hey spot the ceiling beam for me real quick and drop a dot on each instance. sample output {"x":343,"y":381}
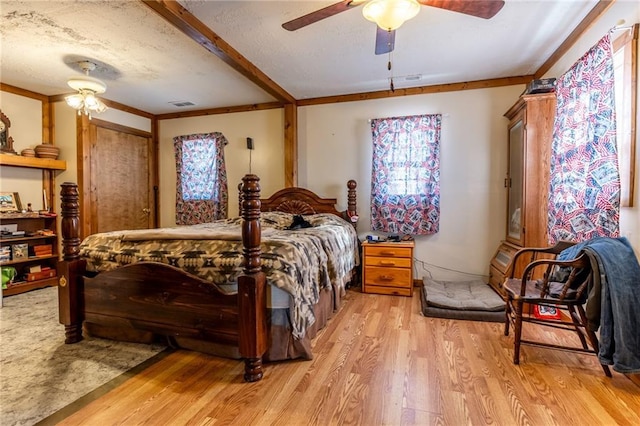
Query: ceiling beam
{"x":182,"y":19}
{"x":23,"y":92}
{"x":220,"y":110}
{"x":436,"y":88}
{"x":598,"y":10}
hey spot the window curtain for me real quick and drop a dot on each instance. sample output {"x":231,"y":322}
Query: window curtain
{"x":405,"y":175}
{"x":584,"y":197}
{"x":202,"y":194}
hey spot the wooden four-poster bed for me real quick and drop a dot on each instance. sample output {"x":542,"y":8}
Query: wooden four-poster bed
{"x":113,"y":288}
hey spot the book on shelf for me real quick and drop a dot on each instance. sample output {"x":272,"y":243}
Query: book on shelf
{"x":44,"y":273}
{"x":43,"y":250}
{"x":5,"y":253}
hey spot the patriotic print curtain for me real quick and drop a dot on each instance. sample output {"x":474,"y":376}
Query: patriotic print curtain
{"x":405,"y":175}
{"x":202,"y":193}
{"x":584,"y":198}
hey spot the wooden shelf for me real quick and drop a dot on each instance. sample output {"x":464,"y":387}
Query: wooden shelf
{"x":32,"y":162}
{"x":23,"y":286}
{"x":30,"y":238}
{"x":28,"y":259}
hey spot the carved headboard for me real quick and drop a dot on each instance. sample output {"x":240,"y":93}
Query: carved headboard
{"x":303,"y":201}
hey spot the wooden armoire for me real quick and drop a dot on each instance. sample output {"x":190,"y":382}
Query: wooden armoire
{"x":530,"y":133}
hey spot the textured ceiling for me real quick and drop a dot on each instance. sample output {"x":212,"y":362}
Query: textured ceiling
{"x":147,"y":63}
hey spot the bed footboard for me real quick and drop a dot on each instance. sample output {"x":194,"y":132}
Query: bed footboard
{"x":163,"y":300}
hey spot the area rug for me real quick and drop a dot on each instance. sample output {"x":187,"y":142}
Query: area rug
{"x":468,"y":300}
{"x":39,"y":373}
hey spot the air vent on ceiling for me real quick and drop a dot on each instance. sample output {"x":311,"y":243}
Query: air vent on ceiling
{"x":181,"y":104}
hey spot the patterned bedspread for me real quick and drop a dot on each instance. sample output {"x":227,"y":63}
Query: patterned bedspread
{"x":300,"y":262}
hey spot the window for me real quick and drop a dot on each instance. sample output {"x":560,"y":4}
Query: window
{"x":201,"y":187}
{"x":625,"y":68}
{"x":405,"y":181}
{"x":584,"y":197}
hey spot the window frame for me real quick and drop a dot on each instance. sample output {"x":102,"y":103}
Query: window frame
{"x":626,"y":44}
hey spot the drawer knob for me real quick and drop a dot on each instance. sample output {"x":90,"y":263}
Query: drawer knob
{"x":387,"y":263}
{"x":385,"y":278}
{"x":388,"y":253}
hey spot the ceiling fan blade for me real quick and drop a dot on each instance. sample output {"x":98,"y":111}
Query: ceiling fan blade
{"x":480,"y":8}
{"x":320,"y":14}
{"x":385,"y":40}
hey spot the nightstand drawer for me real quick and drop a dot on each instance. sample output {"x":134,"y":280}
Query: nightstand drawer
{"x":393,"y":291}
{"x":388,"y":250}
{"x":388,"y":277}
{"x":394,"y":262}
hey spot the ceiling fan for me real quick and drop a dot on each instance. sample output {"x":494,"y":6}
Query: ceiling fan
{"x":391,"y":19}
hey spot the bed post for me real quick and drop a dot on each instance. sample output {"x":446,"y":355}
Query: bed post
{"x":351,"y":196}
{"x":240,"y":199}
{"x":352,"y":209}
{"x":252,"y":296}
{"x":71,"y":267}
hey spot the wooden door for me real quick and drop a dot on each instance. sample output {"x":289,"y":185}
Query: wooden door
{"x":121,"y":187}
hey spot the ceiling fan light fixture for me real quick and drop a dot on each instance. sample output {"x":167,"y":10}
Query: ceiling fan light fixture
{"x":390,"y":14}
{"x":83,"y":82}
{"x":86,"y":101}
{"x":74,"y":101}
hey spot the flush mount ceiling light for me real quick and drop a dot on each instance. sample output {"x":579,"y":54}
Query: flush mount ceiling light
{"x":390,"y":14}
{"x":86,"y":101}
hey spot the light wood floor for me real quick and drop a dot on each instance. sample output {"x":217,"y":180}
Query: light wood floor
{"x":379,"y":362}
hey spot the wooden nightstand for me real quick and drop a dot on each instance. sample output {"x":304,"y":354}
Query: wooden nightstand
{"x":388,"y":268}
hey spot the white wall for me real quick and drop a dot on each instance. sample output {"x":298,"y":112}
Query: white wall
{"x":25,"y":115}
{"x":266,"y":128}
{"x":335,"y":146}
{"x":65,"y":138}
{"x":629,"y":11}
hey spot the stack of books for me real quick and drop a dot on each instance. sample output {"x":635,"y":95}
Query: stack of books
{"x":5,"y":253}
{"x":43,"y":250}
{"x":44,"y":272}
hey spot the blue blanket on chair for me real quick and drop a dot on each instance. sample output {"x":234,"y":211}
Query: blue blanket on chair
{"x":620,"y":300}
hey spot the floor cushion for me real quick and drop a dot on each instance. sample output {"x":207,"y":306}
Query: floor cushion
{"x":470,"y":300}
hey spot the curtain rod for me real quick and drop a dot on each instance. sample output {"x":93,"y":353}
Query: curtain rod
{"x":620,"y":26}
{"x":443,"y":116}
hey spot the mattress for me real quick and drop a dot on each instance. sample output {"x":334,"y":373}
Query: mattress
{"x":298,"y":264}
